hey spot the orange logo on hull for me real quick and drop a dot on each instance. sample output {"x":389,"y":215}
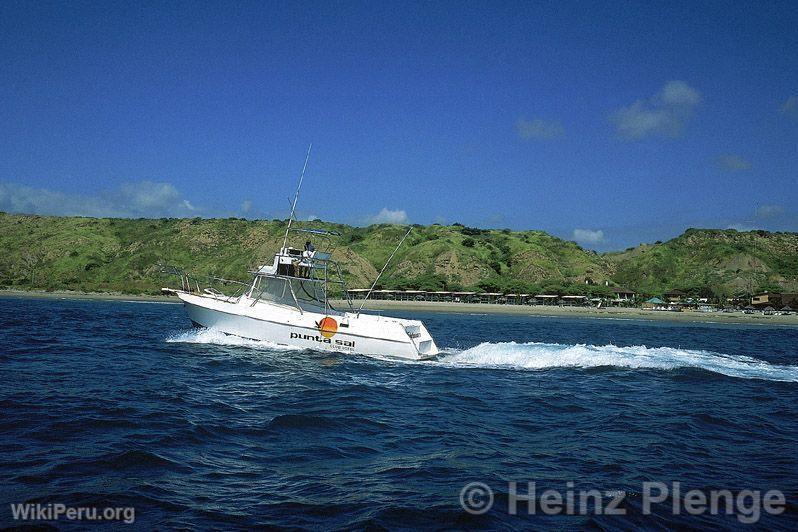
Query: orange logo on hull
{"x":328,"y":327}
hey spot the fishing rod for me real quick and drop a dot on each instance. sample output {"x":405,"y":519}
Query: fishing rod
{"x":382,"y":270}
{"x":296,"y":196}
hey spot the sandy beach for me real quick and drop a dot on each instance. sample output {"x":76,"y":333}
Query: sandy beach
{"x":472,"y":308}
{"x":583,"y":312}
{"x":66,"y":294}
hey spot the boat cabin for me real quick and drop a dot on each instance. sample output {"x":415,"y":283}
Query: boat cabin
{"x":303,"y":278}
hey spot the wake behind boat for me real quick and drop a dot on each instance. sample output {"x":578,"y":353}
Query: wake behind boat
{"x":288,"y":302}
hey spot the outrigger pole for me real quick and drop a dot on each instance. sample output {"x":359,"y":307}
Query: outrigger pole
{"x":382,"y":270}
{"x":296,"y":196}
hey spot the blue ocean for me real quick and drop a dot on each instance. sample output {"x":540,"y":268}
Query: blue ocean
{"x":122,"y":404}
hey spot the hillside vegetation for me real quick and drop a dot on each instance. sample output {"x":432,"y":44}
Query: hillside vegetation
{"x":712,"y":262}
{"x":123,"y":255}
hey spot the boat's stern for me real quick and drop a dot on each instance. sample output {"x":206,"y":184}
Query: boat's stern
{"x":421,"y":338}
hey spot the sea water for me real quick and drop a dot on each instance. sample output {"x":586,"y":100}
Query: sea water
{"x":122,"y":404}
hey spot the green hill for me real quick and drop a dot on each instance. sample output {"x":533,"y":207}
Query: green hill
{"x":123,"y":255}
{"x":711,"y":262}
{"x":100,"y":254}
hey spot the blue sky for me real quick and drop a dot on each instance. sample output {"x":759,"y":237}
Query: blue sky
{"x":610,"y":124}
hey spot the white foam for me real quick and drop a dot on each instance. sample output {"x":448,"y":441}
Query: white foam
{"x":542,"y":356}
{"x":217,"y":337}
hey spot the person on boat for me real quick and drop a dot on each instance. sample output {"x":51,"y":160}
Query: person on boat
{"x":304,"y":266}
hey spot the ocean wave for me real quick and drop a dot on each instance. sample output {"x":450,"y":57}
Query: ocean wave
{"x":535,"y":355}
{"x":132,"y":459}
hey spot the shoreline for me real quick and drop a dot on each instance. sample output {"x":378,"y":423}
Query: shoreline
{"x":617,"y":313}
{"x":100,"y":296}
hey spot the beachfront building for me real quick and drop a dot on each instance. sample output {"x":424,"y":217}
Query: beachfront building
{"x":519,"y":299}
{"x":546,"y":299}
{"x":357,"y":293}
{"x":764,"y":299}
{"x":513,"y":299}
{"x":463,"y":297}
{"x":490,"y":297}
{"x":386,"y":295}
{"x":411,"y":295}
{"x":774,"y":300}
{"x":655,"y":303}
{"x":675,"y":296}
{"x":623,"y":294}
{"x":622,"y":297}
{"x":573,"y":301}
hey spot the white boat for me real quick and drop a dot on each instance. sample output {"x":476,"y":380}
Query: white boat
{"x":288,"y":303}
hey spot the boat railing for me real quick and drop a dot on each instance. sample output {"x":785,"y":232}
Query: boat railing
{"x":209,"y":285}
{"x":315,"y":267}
{"x":315,"y":274}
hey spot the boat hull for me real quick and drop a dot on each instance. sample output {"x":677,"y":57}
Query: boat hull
{"x":364,"y":334}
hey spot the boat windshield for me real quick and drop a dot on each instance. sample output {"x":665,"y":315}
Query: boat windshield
{"x":306,"y":294}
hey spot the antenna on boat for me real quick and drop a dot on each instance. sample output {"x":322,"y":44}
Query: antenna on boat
{"x":382,"y":270}
{"x":296,"y":196}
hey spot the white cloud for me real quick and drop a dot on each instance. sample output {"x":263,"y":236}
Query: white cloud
{"x":588,"y":236}
{"x":148,"y":198}
{"x":790,"y":107}
{"x":144,"y":199}
{"x":312,"y":217}
{"x":539,"y":129}
{"x":387,"y":216}
{"x":679,"y":93}
{"x":768,"y":211}
{"x":665,"y":114}
{"x":246,"y":206}
{"x":771,"y":217}
{"x":742,"y":227}
{"x":732,"y":163}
